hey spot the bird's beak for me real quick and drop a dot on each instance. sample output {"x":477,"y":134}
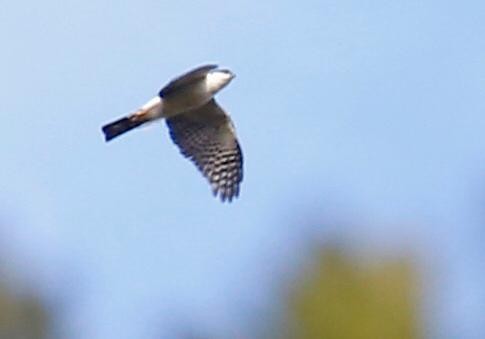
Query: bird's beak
{"x":229,"y":73}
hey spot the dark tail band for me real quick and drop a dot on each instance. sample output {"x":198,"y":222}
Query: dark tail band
{"x":118,"y":127}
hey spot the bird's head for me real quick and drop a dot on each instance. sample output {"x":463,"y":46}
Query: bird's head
{"x":219,"y":79}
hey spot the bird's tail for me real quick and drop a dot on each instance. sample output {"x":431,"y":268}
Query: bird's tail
{"x":121,"y":126}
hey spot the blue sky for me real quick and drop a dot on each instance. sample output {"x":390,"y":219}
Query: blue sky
{"x":368,"y":111}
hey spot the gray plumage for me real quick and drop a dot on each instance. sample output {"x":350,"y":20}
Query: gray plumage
{"x":206,"y":136}
{"x":201,"y":129}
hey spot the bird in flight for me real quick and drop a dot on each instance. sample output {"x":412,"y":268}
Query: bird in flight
{"x":201,"y":129}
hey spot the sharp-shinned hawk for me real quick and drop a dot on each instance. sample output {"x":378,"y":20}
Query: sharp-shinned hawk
{"x":198,"y":125}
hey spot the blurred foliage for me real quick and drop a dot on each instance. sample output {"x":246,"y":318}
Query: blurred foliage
{"x":21,"y":317}
{"x":346,"y":297}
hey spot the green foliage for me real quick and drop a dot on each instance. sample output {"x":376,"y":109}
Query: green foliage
{"x":348,"y":298}
{"x":21,"y":317}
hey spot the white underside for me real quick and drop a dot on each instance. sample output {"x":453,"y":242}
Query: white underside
{"x":152,"y":109}
{"x":184,"y":99}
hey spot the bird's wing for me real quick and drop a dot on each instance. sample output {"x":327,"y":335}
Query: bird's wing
{"x":187,"y":78}
{"x":206,"y":136}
